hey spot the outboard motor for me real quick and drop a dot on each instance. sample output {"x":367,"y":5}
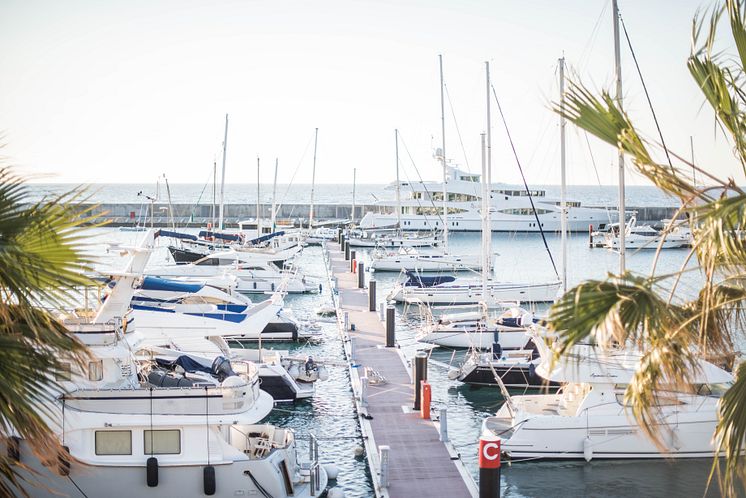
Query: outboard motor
{"x":221,"y":368}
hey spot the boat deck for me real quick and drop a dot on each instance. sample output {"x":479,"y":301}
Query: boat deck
{"x":420,"y":464}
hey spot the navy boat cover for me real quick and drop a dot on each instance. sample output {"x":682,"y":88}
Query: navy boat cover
{"x":416,"y":280}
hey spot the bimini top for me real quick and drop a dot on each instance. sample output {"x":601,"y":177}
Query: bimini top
{"x":416,"y":280}
{"x":593,"y":365}
{"x":163,"y":284}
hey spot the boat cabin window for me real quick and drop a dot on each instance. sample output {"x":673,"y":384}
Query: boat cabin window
{"x":162,"y":442}
{"x":64,"y":372}
{"x":95,"y":370}
{"x":207,"y":262}
{"x":113,"y":442}
{"x":661,"y":399}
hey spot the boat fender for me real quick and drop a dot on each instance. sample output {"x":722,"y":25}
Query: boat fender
{"x":208,"y":480}
{"x":587,"y":449}
{"x":497,"y":350}
{"x":454,"y":373}
{"x":675,"y":440}
{"x":151,"y":472}
{"x":532,"y":371}
{"x":320,"y":288}
{"x":64,"y":462}
{"x":294,"y":371}
{"x":323,"y":373}
{"x":335,"y":493}
{"x":14,"y":449}
{"x":332,"y":471}
{"x":273,"y":286}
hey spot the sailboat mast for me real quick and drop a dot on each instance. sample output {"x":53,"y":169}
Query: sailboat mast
{"x":398,"y":185}
{"x":313,"y":178}
{"x":222,"y":178}
{"x":258,"y":205}
{"x":443,"y":155}
{"x":486,"y":232}
{"x":563,"y":187}
{"x":214,"y":190}
{"x":354,"y":185}
{"x":618,"y":98}
{"x":487,"y":186}
{"x":274,"y":197}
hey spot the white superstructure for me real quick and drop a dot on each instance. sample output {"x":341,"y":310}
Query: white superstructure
{"x":422,"y":208}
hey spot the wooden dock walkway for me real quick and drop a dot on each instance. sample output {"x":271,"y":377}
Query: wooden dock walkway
{"x":420,"y":465}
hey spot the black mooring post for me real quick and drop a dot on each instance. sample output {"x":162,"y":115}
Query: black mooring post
{"x":489,"y":468}
{"x":390,"y":326}
{"x":372,"y":295}
{"x":420,"y":374}
{"x":361,"y":275}
{"x":347,"y":250}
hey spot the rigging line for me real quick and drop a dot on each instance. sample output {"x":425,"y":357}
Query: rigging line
{"x":523,"y":177}
{"x":647,"y":95}
{"x":595,"y":170}
{"x":458,"y":130}
{"x":592,"y":39}
{"x":194,"y":206}
{"x":292,"y":178}
{"x":422,"y":182}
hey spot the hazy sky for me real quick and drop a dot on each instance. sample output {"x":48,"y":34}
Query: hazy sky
{"x":115,"y":91}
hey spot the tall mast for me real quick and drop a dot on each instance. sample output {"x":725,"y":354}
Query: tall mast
{"x":313,"y":178}
{"x":486,"y":232}
{"x":214,"y":190}
{"x":443,"y":154}
{"x":222,"y":179}
{"x":258,"y":205}
{"x":274,"y":197}
{"x":398,"y":186}
{"x":618,"y":98}
{"x":487,"y":186}
{"x":354,"y":184}
{"x":563,"y":188}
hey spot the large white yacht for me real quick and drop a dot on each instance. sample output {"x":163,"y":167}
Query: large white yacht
{"x":588,"y":418}
{"x":422,"y":208}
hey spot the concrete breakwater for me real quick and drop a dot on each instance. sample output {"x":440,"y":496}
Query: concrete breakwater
{"x":200,"y":215}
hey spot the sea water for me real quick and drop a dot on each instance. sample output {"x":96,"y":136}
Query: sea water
{"x":331,"y":417}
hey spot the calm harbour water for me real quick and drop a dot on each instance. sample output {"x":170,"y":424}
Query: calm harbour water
{"x":330,"y":414}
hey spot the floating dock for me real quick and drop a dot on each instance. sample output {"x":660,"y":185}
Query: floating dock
{"x":415,"y":461}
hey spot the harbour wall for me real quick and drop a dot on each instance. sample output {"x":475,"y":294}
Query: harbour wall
{"x":190,"y":215}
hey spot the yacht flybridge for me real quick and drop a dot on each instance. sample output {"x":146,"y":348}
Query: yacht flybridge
{"x":588,"y":418}
{"x":511,"y":207}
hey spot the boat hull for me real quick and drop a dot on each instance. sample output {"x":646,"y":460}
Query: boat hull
{"x":472,"y":294}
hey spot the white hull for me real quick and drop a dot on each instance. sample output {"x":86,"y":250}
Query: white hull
{"x":426,"y":263}
{"x":455,"y":338}
{"x":396,"y":242}
{"x":611,"y":437}
{"x":642,"y":242}
{"x":454,"y":293}
{"x":470,"y":221}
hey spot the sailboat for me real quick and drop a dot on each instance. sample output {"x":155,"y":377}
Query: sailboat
{"x":409,"y":258}
{"x":451,"y":290}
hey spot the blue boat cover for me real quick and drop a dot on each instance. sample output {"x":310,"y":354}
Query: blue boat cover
{"x":175,"y":235}
{"x":416,"y":280}
{"x":164,"y":284}
{"x":216,"y":235}
{"x":265,"y":238}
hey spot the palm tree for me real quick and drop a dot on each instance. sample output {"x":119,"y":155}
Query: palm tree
{"x":41,"y":260}
{"x":647,"y":310}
